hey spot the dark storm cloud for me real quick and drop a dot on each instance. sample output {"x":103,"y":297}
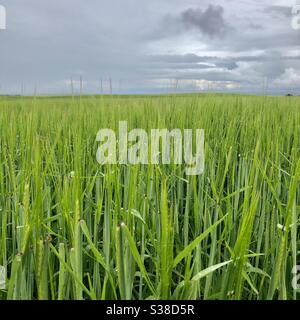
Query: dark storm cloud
{"x":210,"y":21}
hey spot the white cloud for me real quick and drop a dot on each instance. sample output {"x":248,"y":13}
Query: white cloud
{"x":289,"y":79}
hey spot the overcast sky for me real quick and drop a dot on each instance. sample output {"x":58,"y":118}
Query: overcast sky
{"x":149,"y":46}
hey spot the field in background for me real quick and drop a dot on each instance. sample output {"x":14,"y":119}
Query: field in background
{"x":71,"y":229}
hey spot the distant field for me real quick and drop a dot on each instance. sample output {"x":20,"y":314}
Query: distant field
{"x":72,"y":229}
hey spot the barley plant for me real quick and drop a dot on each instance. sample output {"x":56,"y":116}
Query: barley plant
{"x":73,"y":229}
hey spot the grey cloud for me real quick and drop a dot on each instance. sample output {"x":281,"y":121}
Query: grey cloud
{"x":270,"y":65}
{"x":279,"y":11}
{"x":176,"y":58}
{"x":255,"y":26}
{"x":265,"y":41}
{"x":229,"y":62}
{"x":193,"y":61}
{"x":210,"y":21}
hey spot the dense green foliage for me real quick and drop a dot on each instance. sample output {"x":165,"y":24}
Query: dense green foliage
{"x":72,"y":229}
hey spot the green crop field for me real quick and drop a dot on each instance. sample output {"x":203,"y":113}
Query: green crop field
{"x":74,"y":229}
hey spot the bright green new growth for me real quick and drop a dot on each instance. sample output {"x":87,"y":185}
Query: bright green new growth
{"x":72,"y":229}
